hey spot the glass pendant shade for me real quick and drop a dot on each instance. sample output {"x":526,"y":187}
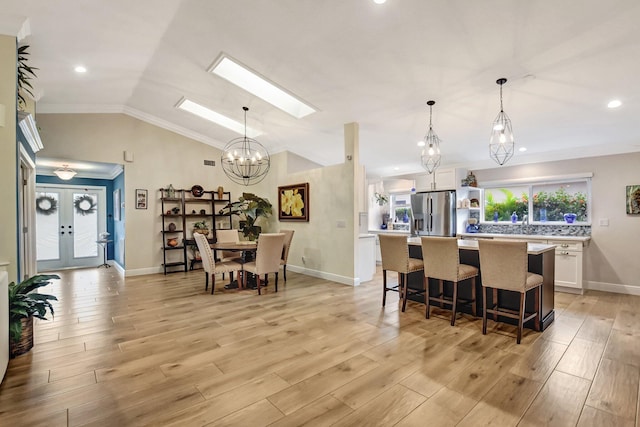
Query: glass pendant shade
{"x":65,"y":173}
{"x":502,"y":143}
{"x":430,"y":157}
{"x":244,"y":160}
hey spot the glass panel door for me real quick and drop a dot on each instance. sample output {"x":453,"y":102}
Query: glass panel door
{"x":69,"y":220}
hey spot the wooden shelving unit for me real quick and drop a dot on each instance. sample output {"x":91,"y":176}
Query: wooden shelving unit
{"x":184,"y":210}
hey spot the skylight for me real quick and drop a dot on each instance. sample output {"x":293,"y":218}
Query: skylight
{"x":257,"y":85}
{"x":217,"y":118}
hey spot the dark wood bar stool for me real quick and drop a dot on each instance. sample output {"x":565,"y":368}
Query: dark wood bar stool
{"x":505,"y":265}
{"x":442,"y":262}
{"x":395,"y":257}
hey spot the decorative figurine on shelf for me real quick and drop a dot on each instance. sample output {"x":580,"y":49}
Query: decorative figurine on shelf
{"x":514,"y":217}
{"x":175,"y":210}
{"x":203,"y":212}
{"x":172,"y":227}
{"x":220,"y":192}
{"x":471,"y":179}
{"x":171,"y":192}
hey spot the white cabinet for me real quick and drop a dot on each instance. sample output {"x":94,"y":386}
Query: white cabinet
{"x":366,"y":257}
{"x":569,"y":265}
{"x":445,"y":179}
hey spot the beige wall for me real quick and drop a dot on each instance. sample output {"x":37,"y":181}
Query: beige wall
{"x":611,"y":256}
{"x":8,"y":157}
{"x":162,"y":157}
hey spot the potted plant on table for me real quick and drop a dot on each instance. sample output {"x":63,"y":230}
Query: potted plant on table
{"x":201,"y":227}
{"x":249,"y":208}
{"x":24,"y":305}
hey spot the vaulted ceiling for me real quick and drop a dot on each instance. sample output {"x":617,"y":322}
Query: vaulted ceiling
{"x":355,"y":61}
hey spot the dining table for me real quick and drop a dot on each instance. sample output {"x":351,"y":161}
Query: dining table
{"x":247,"y":251}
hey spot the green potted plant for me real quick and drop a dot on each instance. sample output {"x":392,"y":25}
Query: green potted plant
{"x":249,"y":208}
{"x":24,"y":305}
{"x":25,"y":73}
{"x":201,"y":227}
{"x":381,"y":199}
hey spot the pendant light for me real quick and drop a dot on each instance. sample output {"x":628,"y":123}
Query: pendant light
{"x":501,"y":144}
{"x":65,"y":173}
{"x":244,"y":160}
{"x":430,"y":157}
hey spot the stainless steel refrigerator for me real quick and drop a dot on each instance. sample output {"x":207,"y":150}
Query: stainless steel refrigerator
{"x":434,"y":213}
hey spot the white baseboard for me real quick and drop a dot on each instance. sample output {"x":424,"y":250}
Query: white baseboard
{"x":351,"y":281}
{"x":613,"y":287}
{"x":143,"y":271}
{"x":117,"y":266}
{"x":568,"y":290}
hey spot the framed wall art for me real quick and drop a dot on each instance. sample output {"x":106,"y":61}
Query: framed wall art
{"x":141,"y":199}
{"x":293,"y":202}
{"x":633,"y":199}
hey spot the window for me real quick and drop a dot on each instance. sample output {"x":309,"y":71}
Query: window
{"x":551,"y":201}
{"x":400,"y":211}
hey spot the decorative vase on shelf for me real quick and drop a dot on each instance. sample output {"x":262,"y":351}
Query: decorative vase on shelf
{"x":172,"y":226}
{"x":171,"y":192}
{"x":405,"y":218}
{"x":543,"y":215}
{"x":570,"y":217}
{"x":514,"y":217}
{"x":495,"y":216}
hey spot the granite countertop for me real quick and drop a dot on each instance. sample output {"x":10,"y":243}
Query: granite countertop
{"x":532,"y":248}
{"x":526,"y":236}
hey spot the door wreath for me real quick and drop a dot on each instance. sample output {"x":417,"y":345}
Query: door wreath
{"x":46,"y":205}
{"x":85,"y":205}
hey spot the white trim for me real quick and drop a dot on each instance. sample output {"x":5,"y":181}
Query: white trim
{"x":144,"y":271}
{"x":569,"y":290}
{"x":30,"y":130}
{"x":613,"y":287}
{"x":538,"y":180}
{"x":79,"y":108}
{"x":117,"y":266}
{"x":324,"y":275}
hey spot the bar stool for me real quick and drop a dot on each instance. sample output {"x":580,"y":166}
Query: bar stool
{"x":505,"y":265}
{"x":442,"y":262}
{"x":395,"y":257}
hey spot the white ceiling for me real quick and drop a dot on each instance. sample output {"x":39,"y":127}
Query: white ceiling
{"x":355,"y":61}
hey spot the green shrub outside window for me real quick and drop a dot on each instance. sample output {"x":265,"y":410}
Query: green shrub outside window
{"x":504,"y":202}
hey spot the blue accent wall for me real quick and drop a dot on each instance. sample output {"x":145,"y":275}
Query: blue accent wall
{"x":118,"y":226}
{"x":109,"y":184}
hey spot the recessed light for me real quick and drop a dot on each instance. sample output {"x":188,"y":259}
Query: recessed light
{"x":615,"y":103}
{"x":522,"y":149}
{"x":379,"y":1}
{"x":217,"y":118}
{"x":396,"y":168}
{"x":80,"y":69}
{"x":421,"y":143}
{"x":252,"y":82}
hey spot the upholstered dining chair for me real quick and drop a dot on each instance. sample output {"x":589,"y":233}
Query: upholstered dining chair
{"x":505,"y":265}
{"x":288,"y":236}
{"x":267,"y":259}
{"x":442,"y":262}
{"x":395,"y":257}
{"x":212,"y":268}
{"x":228,"y":236}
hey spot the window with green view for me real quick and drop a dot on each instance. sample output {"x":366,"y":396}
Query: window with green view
{"x":548,"y":202}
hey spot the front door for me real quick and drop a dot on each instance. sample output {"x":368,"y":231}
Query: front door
{"x":69,"y":220}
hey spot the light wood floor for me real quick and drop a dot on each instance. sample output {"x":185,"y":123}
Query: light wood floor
{"x":160,"y":350}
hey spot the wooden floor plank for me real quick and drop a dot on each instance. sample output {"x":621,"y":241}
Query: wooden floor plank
{"x":445,"y":408}
{"x":581,"y":358}
{"x":615,"y":389}
{"x":559,"y":403}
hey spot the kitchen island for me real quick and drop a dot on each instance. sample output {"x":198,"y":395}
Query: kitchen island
{"x":541,"y":261}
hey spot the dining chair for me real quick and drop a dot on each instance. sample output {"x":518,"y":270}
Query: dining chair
{"x":267,"y":260}
{"x":504,"y":266}
{"x":395,"y":257}
{"x":442,"y":262}
{"x":212,"y":268}
{"x":288,"y":236}
{"x":228,"y":236}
